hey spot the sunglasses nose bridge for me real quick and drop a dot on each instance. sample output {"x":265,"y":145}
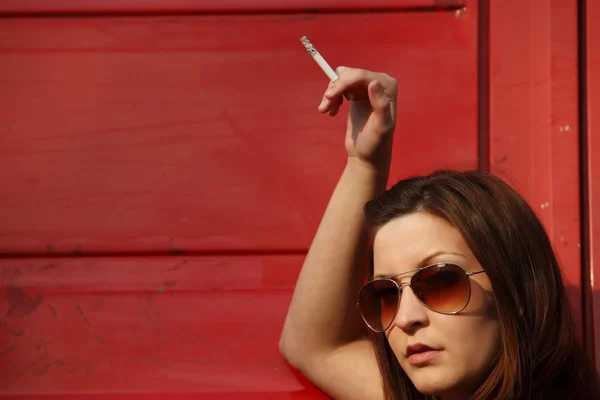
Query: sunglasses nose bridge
{"x":410,"y":310}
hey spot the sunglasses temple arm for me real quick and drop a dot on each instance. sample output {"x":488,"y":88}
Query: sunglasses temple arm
{"x":475,"y":273}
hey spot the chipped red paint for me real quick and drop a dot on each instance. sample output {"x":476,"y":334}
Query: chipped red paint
{"x":20,"y":304}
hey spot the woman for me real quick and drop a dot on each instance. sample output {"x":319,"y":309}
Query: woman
{"x":464,"y":298}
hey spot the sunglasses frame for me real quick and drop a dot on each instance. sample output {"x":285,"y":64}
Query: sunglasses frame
{"x":400,"y":286}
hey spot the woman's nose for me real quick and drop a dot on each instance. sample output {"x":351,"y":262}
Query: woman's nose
{"x":411,"y":312}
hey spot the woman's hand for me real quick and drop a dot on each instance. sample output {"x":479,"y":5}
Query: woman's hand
{"x":372,"y":117}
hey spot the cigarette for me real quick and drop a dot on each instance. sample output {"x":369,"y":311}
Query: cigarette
{"x":319,"y":59}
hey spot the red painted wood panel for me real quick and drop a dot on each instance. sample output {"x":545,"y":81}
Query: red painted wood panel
{"x":188,"y":133}
{"x":207,"y":326}
{"x":593,"y":170}
{"x":534,"y":129}
{"x":162,"y":6}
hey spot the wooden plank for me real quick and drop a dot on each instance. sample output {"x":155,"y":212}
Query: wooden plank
{"x":593,"y":175}
{"x":203,"y":6}
{"x":182,"y":325}
{"x":187,"y":133}
{"x":534,"y":127}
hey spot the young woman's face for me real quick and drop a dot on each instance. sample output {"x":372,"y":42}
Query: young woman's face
{"x":464,"y":344}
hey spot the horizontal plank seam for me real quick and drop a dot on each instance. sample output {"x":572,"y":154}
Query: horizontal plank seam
{"x":177,"y":253}
{"x":148,"y":13}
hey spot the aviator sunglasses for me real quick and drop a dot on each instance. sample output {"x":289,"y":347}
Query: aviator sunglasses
{"x":444,"y":288}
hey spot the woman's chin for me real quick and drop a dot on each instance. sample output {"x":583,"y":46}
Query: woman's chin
{"x":431,"y":381}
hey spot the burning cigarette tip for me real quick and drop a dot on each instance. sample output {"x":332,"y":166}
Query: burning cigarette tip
{"x":319,"y":59}
{"x":308,"y":45}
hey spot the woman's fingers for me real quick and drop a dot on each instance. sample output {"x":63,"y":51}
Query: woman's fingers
{"x":350,"y":80}
{"x":326,"y":103}
{"x":381,"y":104}
{"x":355,"y":83}
{"x":335,"y":105}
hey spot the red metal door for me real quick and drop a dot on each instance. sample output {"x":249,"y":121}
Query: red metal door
{"x":162,"y":171}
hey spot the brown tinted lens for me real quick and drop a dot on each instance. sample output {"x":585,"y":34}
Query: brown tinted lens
{"x":378,"y":301}
{"x":443,"y":287}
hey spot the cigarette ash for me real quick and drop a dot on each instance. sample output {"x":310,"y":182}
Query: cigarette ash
{"x":309,"y":46}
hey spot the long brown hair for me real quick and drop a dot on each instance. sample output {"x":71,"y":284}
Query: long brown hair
{"x":540,"y":357}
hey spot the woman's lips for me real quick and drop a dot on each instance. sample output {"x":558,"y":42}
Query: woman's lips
{"x":423,"y":357}
{"x":418,"y":353}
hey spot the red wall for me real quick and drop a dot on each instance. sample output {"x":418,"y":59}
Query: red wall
{"x":534,"y":119}
{"x":162,"y":175}
{"x":163,"y":169}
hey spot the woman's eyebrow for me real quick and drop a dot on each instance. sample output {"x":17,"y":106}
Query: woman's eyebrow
{"x":430,"y":257}
{"x":425,"y":262}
